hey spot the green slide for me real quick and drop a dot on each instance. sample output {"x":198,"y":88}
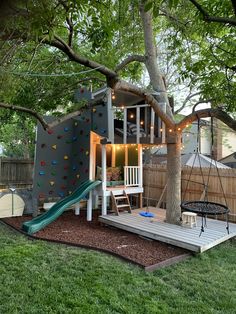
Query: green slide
{"x":56,"y":210}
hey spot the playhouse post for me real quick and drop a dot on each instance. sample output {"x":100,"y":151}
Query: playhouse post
{"x":77,"y":209}
{"x":104,"y":179}
{"x":89,"y":207}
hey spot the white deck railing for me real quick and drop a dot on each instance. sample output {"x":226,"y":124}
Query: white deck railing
{"x":132,"y":176}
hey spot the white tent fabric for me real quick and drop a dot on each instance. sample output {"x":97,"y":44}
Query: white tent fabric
{"x":204,"y":161}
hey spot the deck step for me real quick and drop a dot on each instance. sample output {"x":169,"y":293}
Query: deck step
{"x":120,"y":197}
{"x":117,"y":206}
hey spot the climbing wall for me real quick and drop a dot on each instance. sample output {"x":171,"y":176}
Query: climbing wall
{"x":63,"y":154}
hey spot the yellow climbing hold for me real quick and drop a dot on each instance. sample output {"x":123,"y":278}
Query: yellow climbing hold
{"x":66,"y":157}
{"x":87,"y":153}
{"x":54,"y":146}
{"x":94,"y":109}
{"x":52,"y":183}
{"x":78,"y":176}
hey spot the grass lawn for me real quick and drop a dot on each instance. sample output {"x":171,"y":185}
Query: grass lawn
{"x":38,"y":277}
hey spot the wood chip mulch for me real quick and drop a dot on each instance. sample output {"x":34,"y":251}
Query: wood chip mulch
{"x":75,"y":230}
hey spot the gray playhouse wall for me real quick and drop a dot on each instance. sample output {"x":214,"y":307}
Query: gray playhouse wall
{"x":62,"y":154}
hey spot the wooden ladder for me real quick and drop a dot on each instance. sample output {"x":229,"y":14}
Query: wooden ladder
{"x":120,"y":202}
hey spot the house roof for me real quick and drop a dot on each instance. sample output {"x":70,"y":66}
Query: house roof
{"x":229,"y":158}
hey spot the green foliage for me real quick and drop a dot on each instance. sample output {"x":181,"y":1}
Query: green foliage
{"x":17,"y":136}
{"x":38,"y":277}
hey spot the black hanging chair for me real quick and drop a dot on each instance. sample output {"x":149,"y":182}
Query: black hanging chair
{"x":205,"y":208}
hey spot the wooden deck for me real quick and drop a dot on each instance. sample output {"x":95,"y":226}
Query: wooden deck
{"x":156,"y":229}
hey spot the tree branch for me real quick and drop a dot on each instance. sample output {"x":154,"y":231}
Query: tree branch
{"x":26,"y":110}
{"x":59,"y":43}
{"x":217,"y":19}
{"x":205,"y":113}
{"x":129,"y":59}
{"x":185,"y":101}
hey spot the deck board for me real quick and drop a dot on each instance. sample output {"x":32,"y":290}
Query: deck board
{"x":214,"y":234}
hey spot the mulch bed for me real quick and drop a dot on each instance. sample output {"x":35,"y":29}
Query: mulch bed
{"x":75,"y":230}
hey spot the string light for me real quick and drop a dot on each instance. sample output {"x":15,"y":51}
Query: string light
{"x":170,"y":130}
{"x":161,"y":129}
{"x":179,"y":129}
{"x":141,"y":122}
{"x":131,"y":116}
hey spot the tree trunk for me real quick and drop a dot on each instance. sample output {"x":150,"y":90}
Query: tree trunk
{"x":151,"y":63}
{"x":173,"y":210}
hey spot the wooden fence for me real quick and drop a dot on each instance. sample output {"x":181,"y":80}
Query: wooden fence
{"x":154,"y":179}
{"x":16,"y":172}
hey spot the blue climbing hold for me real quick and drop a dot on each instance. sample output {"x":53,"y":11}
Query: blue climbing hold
{"x":66,"y":129}
{"x":146,"y":214}
{"x":41,"y":173}
{"x":61,"y":194}
{"x":54,"y":162}
{"x":103,"y":131}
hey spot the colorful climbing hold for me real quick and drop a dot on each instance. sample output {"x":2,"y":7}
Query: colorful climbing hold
{"x":76,"y":123}
{"x":59,"y":137}
{"x":61,"y":194}
{"x":66,"y":157}
{"x":69,"y":192}
{"x":54,"y":146}
{"x":74,"y":138}
{"x":50,"y":192}
{"x":66,"y":167}
{"x":52,"y":183}
{"x":41,"y":195}
{"x":38,"y":184}
{"x":77,"y":176}
{"x":87,"y":153}
{"x":54,"y":162}
{"x":66,"y":129}
{"x":103,"y":131}
{"x":94,"y":109}
{"x":41,"y":173}
{"x":53,"y":173}
{"x":68,"y":141}
{"x":74,"y":167}
{"x":50,"y":132}
{"x":42,"y":163}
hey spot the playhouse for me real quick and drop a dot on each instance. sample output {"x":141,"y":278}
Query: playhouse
{"x":104,"y":142}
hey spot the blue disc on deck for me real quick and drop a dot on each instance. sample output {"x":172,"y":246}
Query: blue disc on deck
{"x":146,"y":214}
